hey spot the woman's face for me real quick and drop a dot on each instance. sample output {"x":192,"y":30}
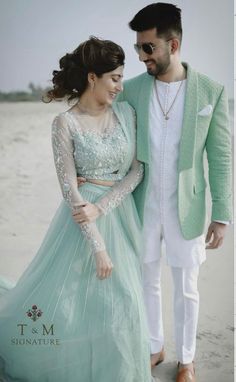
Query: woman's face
{"x":108,"y":86}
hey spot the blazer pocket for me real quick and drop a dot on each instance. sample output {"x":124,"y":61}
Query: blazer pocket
{"x":203,"y":121}
{"x":206,"y":111}
{"x":199,"y":185}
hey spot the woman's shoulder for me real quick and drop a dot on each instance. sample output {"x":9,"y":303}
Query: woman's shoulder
{"x":61,"y":123}
{"x":124,"y":107}
{"x":63,"y":118}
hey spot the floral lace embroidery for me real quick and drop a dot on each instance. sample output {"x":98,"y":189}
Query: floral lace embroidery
{"x":121,"y":189}
{"x":66,"y":172}
{"x":112,"y":152}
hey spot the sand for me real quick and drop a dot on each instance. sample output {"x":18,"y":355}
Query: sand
{"x":29,"y":197}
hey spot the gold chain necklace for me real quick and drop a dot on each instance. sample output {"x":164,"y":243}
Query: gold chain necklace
{"x":158,"y":99}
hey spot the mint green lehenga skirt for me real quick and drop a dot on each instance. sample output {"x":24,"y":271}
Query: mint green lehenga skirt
{"x":61,"y":323}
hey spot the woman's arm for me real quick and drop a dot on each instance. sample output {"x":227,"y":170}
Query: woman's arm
{"x":122,"y":188}
{"x":127,"y":185}
{"x":62,"y":145}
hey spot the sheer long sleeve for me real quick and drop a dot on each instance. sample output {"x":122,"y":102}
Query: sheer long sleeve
{"x":63,"y":149}
{"x":125,"y":186}
{"x":122,"y":188}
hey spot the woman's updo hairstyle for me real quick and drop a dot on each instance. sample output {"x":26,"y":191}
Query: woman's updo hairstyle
{"x":94,"y":55}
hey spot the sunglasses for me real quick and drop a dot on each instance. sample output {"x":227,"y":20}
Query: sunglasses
{"x":147,"y":47}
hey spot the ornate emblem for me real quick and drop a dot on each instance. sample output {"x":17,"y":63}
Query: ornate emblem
{"x":34,"y":313}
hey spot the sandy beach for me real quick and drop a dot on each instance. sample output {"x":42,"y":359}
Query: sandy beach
{"x":29,"y":197}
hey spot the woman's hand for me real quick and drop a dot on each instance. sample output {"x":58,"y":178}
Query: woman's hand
{"x":80,"y":180}
{"x":104,"y":265}
{"x":86,"y":213}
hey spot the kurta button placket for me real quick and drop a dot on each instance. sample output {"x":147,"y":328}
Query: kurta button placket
{"x":161,"y":207}
{"x":162,"y":158}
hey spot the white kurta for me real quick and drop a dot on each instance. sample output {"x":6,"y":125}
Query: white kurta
{"x":161,"y":222}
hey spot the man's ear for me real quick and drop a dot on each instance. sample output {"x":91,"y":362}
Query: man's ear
{"x":174,"y":45}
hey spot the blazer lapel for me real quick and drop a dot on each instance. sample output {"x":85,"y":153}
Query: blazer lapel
{"x":142,"y":109}
{"x":189,"y":121}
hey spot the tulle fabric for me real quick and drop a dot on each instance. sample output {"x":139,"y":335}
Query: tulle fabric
{"x":88,"y":330}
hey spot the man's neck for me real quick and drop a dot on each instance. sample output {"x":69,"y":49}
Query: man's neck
{"x":176,"y":72}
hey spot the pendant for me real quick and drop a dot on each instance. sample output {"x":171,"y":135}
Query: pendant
{"x":166,"y":117}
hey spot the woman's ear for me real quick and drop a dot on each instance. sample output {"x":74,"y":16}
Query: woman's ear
{"x":91,"y":80}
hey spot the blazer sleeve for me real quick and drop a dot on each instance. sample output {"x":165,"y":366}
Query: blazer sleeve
{"x":219,"y":155}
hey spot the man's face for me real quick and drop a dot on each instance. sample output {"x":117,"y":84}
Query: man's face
{"x":158,"y":61}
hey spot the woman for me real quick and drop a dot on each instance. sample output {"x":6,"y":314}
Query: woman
{"x":77,"y":313}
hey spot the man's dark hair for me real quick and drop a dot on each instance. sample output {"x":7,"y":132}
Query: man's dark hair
{"x":166,"y":18}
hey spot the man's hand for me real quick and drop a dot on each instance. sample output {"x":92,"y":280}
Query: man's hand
{"x":80,"y":181}
{"x":86,"y":213}
{"x":215,"y":235}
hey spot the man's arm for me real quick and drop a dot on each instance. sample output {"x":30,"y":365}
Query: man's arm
{"x":218,"y":147}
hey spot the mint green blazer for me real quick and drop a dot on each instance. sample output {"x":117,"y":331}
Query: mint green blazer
{"x":200,"y":133}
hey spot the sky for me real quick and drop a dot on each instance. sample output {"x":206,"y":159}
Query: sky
{"x":35,"y":34}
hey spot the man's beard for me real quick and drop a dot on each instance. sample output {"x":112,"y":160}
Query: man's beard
{"x":160,"y":67}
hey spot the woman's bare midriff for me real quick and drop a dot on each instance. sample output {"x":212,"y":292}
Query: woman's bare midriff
{"x":101,"y":182}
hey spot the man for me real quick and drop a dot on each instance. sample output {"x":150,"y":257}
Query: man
{"x":180,"y":114}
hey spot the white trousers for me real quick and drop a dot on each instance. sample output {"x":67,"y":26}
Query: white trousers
{"x":186,"y":307}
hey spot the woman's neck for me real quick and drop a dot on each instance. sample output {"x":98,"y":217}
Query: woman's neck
{"x":89,"y":105}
